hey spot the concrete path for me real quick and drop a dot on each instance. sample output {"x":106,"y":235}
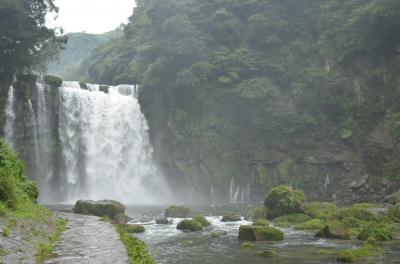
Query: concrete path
{"x":87,"y":240}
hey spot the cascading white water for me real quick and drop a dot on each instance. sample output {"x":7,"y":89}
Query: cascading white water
{"x":105,"y":146}
{"x":10,"y":117}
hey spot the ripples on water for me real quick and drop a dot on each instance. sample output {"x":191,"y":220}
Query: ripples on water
{"x":171,"y":246}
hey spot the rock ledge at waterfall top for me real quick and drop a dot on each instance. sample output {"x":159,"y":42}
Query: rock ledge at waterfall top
{"x":108,"y":208}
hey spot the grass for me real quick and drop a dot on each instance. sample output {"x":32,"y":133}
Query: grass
{"x":137,"y":250}
{"x":45,"y":250}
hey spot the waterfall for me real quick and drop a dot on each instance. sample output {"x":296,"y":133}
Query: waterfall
{"x":10,"y":117}
{"x":105,"y":145}
{"x":327,"y":181}
{"x":231,"y":195}
{"x":236,"y":195}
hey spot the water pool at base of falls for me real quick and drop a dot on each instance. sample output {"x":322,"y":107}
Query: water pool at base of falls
{"x":171,"y":246}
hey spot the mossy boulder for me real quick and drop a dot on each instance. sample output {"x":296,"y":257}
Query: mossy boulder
{"x":313,"y":224}
{"x":320,"y":210}
{"x":177,"y":211}
{"x":231,"y":218}
{"x":134,"y":228}
{"x":202,"y":220}
{"x":99,"y":208}
{"x":283,"y":200}
{"x":53,"y":81}
{"x":359,"y":213}
{"x":83,"y":85}
{"x":378,"y":232}
{"x":189,"y":225}
{"x":293,"y":218}
{"x":268,"y":253}
{"x":260,"y":233}
{"x":247,"y":245}
{"x":258,"y":213}
{"x":334,"y":231}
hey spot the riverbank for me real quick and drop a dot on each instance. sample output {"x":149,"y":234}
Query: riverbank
{"x":28,"y":233}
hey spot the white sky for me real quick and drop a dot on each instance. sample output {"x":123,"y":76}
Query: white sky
{"x":92,"y":16}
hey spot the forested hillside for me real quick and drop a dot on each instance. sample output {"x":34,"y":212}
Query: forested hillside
{"x":244,"y":95}
{"x":79,"y":46}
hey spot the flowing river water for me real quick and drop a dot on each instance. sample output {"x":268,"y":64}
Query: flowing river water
{"x":171,"y":246}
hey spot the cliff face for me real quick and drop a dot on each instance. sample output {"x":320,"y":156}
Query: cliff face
{"x":221,"y":155}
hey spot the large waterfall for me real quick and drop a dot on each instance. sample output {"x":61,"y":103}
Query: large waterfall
{"x":93,"y":145}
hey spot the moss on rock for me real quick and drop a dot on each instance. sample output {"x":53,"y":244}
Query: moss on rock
{"x":268,"y":253}
{"x":293,"y":218}
{"x":189,"y":225}
{"x":261,"y":222}
{"x":202,"y":220}
{"x":53,"y":81}
{"x":313,"y":224}
{"x":258,"y":213}
{"x":177,"y":211}
{"x":283,"y":200}
{"x":334,"y":231}
{"x":320,"y":210}
{"x":260,"y":233}
{"x":134,"y":228}
{"x":352,"y":255}
{"x":218,"y":234}
{"x":231,"y":218}
{"x":100,"y":208}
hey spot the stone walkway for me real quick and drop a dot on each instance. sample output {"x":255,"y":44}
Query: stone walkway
{"x":87,"y":240}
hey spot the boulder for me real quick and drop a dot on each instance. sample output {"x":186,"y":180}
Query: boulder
{"x":177,"y":211}
{"x":339,"y":231}
{"x":163,"y":221}
{"x":104,"y":88}
{"x":99,"y":208}
{"x":259,"y":233}
{"x":121,"y":219}
{"x":283,"y":200}
{"x":202,"y":220}
{"x":189,"y":225}
{"x":134,"y":228}
{"x":268,"y":253}
{"x":231,"y":218}
{"x":53,"y":81}
{"x":393,"y":198}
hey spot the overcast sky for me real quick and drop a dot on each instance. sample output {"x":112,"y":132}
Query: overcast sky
{"x":92,"y":16}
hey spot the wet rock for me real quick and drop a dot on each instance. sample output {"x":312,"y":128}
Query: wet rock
{"x":189,"y":225}
{"x":99,"y":208}
{"x":218,"y":234}
{"x":337,"y":232}
{"x":283,"y":200}
{"x":231,"y":218}
{"x":202,"y":220}
{"x":104,"y":88}
{"x":392,"y":198}
{"x":359,"y":183}
{"x":247,"y":245}
{"x":53,"y":81}
{"x":134,"y":228}
{"x":163,"y":221}
{"x":259,"y":233}
{"x":177,"y":211}
{"x":268,"y":253}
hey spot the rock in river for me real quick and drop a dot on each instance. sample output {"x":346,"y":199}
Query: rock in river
{"x":99,"y":208}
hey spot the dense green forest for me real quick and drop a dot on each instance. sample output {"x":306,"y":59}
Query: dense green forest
{"x":302,"y":92}
{"x":80,"y":45}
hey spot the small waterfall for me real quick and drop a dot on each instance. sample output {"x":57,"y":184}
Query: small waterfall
{"x":10,"y":117}
{"x":327,"y":181}
{"x":243,"y":196}
{"x":236,"y":195}
{"x":105,"y":145}
{"x":231,"y":195}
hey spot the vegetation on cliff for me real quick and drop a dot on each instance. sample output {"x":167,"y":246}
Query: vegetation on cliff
{"x":265,"y":92}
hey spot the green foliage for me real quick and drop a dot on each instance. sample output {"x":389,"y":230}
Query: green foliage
{"x":378,"y":232}
{"x":293,"y":218}
{"x":352,"y":255}
{"x":26,"y":41}
{"x":137,"y":250}
{"x":319,"y":210}
{"x":283,"y":200}
{"x":6,"y":231}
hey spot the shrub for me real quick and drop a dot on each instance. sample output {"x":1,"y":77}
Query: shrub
{"x":379,"y":232}
{"x":231,"y":218}
{"x":282,"y":200}
{"x":261,"y":222}
{"x":352,"y":255}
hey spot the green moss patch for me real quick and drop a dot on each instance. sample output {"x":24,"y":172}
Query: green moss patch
{"x":313,"y":224}
{"x":189,"y":225}
{"x":202,"y":220}
{"x":260,"y":233}
{"x":283,"y":200}
{"x":352,"y":255}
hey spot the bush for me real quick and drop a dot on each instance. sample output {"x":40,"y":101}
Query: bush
{"x":31,"y":189}
{"x":177,"y":211}
{"x":379,"y":232}
{"x":282,"y":200}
